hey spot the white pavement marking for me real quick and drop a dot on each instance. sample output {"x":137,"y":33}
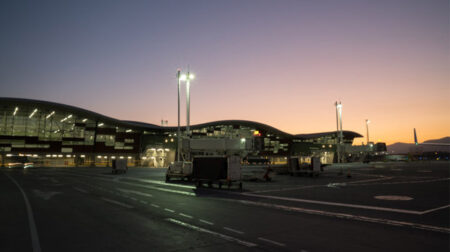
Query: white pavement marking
{"x":336,"y":185}
{"x":349,"y":216}
{"x":132,"y":198}
{"x":393,"y":197}
{"x":335,"y":204}
{"x":143,"y":202}
{"x":435,"y":209}
{"x":137,"y":185}
{"x":412,"y":182}
{"x":273,"y":242}
{"x":185,"y":215}
{"x":154,"y":205}
{"x":225,"y":237}
{"x":325,"y":185}
{"x":169,"y":210}
{"x":206,"y":222}
{"x":135,"y":192}
{"x":117,"y":203}
{"x":45,"y":195}
{"x":289,"y":189}
{"x":34,"y":235}
{"x":80,"y":190}
{"x":135,"y":179}
{"x":161,"y":183}
{"x":371,"y":180}
{"x":233,"y":230}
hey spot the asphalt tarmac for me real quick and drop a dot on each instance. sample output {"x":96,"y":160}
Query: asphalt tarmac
{"x":383,"y":207}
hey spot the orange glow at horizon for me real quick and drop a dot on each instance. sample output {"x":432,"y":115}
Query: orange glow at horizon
{"x":281,"y":64}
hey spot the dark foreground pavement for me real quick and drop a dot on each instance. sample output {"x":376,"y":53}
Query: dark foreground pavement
{"x":88,"y":209}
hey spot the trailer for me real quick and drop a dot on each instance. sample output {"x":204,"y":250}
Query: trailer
{"x":220,"y":170}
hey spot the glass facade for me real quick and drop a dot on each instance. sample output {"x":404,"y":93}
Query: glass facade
{"x":54,"y":134}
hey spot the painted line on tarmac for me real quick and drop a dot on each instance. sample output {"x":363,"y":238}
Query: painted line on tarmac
{"x":273,"y":242}
{"x":233,"y":230}
{"x":335,"y":204}
{"x":161,"y":183}
{"x":154,"y":205}
{"x":370,"y":180}
{"x":349,"y":216}
{"x":143,"y":202}
{"x":142,"y":186}
{"x":435,"y":209}
{"x":199,"y":229}
{"x":325,"y":185}
{"x":206,"y":222}
{"x":135,"y":192}
{"x":169,"y":210}
{"x":80,"y":190}
{"x":131,"y":178}
{"x":185,"y":215}
{"x":410,"y":182}
{"x":288,"y":189}
{"x":33,"y":230}
{"x":117,"y":203}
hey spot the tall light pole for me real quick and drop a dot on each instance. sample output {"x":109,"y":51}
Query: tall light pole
{"x":178,"y":129}
{"x":367,"y":127}
{"x":188,"y":77}
{"x":339,"y":133}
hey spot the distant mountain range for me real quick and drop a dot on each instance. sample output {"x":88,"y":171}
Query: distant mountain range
{"x":404,"y":148}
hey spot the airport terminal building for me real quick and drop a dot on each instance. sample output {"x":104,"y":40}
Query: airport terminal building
{"x":53,"y":134}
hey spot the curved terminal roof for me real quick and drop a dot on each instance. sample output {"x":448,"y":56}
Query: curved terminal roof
{"x":7,"y":102}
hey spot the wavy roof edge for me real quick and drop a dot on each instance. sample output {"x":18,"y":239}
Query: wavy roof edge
{"x":144,"y":126}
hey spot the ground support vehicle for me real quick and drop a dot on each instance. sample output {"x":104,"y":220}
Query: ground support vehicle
{"x":119,"y":166}
{"x":180,"y":170}
{"x":220,"y":170}
{"x":313,"y":169}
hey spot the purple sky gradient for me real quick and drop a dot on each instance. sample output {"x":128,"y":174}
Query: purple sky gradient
{"x":283,"y":63}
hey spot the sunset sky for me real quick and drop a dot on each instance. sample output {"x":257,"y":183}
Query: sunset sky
{"x":282,"y":63}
